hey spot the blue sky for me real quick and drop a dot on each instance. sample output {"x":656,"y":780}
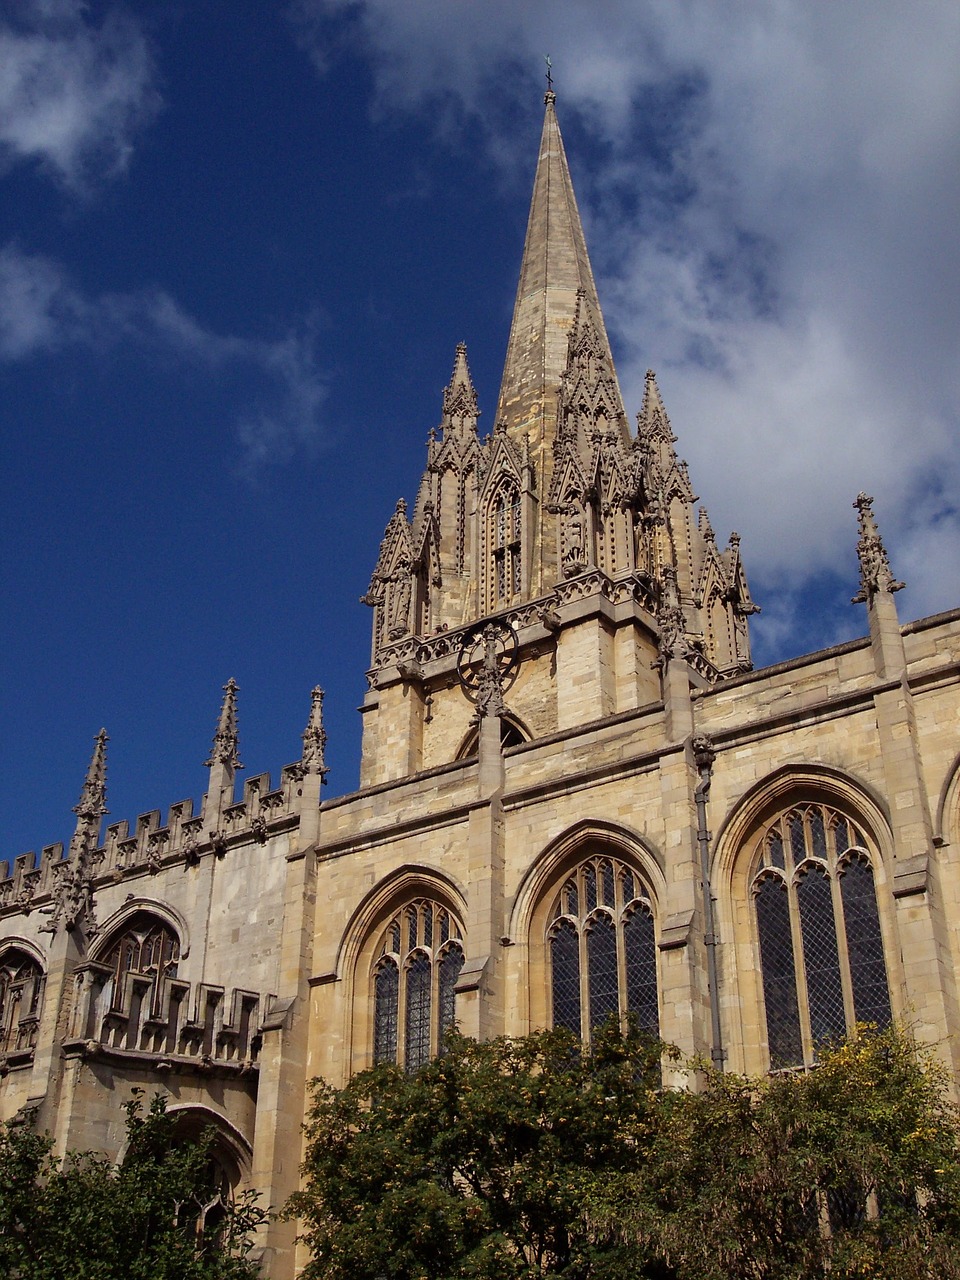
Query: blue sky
{"x":238,"y":246}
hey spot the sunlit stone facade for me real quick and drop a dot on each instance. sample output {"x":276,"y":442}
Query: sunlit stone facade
{"x":577,"y":799}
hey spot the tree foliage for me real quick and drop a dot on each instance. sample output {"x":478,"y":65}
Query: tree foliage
{"x":531,"y":1158}
{"x":141,"y":1220}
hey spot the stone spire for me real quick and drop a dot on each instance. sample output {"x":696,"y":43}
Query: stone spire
{"x":73,"y":887}
{"x":314,"y":736}
{"x":876,"y":576}
{"x":460,"y":408}
{"x":225,"y":741}
{"x":554,"y":269}
{"x":91,"y":806}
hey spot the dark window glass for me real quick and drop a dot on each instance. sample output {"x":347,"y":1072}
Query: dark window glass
{"x":602,"y":969}
{"x":629,"y":890}
{"x":779,"y":975}
{"x":451,"y":963}
{"x":868,"y":973}
{"x":386,"y":1006}
{"x":841,"y":835}
{"x":820,"y":957}
{"x":798,"y":843}
{"x":571,"y":905}
{"x":590,"y":886}
{"x":775,"y":849}
{"x":817,"y":834}
{"x":606,"y":876}
{"x":417,"y":1033}
{"x":426,"y":913}
{"x":565,"y":973}
{"x":640,"y":954}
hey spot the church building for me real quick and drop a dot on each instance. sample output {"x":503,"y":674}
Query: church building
{"x":577,"y":798}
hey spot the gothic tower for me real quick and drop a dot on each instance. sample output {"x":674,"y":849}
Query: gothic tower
{"x":581,"y":539}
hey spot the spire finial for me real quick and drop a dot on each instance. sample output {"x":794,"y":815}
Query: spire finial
{"x":72,"y":891}
{"x":875,"y":573}
{"x":314,"y":736}
{"x":225,"y":740}
{"x":92,"y":803}
{"x":550,"y":95}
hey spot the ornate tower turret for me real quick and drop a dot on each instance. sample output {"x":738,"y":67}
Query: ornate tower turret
{"x":558,"y":525}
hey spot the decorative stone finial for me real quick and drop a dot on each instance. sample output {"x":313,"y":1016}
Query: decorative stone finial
{"x":92,"y":803}
{"x":74,"y":875}
{"x":671,"y":623}
{"x":225,"y":740}
{"x":876,"y":575}
{"x":314,"y":736}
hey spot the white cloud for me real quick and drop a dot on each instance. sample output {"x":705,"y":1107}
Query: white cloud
{"x":772,"y":212}
{"x":72,"y":94}
{"x":41,"y":311}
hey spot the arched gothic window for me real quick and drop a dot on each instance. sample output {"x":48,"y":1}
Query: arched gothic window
{"x":821,"y":949}
{"x":21,"y":992}
{"x":147,"y":949}
{"x":505,"y":540}
{"x":418,"y":962}
{"x":603,"y":957}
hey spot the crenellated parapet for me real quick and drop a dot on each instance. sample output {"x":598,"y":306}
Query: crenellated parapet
{"x":61,"y":884}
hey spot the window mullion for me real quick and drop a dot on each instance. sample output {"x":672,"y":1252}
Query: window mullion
{"x":846,"y":982}
{"x":800,"y":968}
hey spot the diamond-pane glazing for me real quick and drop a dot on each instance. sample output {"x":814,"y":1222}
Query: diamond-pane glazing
{"x":417,"y":1031}
{"x":590,"y":886}
{"x":821,"y":959}
{"x":779,"y":973}
{"x":602,"y":969}
{"x":565,"y":971}
{"x":386,"y":996}
{"x":640,"y":953}
{"x":868,"y":972}
{"x":818,"y":835}
{"x":451,"y":963}
{"x":606,"y":879}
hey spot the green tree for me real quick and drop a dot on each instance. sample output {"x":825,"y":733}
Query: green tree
{"x":851,"y":1170}
{"x":142,"y":1220}
{"x":517,"y":1160}
{"x":472,"y":1166}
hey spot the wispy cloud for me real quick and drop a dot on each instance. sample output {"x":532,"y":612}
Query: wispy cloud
{"x":771,"y":207}
{"x":73,"y":94}
{"x":42,"y":311}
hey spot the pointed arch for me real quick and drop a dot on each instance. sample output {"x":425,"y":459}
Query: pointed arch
{"x":401,"y":955}
{"x":513,"y":732}
{"x":22,"y":981}
{"x":804,"y":897}
{"x":948,"y":806}
{"x":587,"y":914}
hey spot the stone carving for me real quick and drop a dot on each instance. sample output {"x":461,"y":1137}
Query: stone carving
{"x":225,"y":740}
{"x":875,"y":572}
{"x":400,"y":595}
{"x":314,"y":736}
{"x":486,"y":666}
{"x":671,"y":622}
{"x":73,"y":877}
{"x":573,"y":542}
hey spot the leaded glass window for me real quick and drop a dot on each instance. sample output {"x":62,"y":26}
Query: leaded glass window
{"x":818,"y":924}
{"x":602,"y":949}
{"x":415,"y":975}
{"x":147,"y":948}
{"x":21,"y":990}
